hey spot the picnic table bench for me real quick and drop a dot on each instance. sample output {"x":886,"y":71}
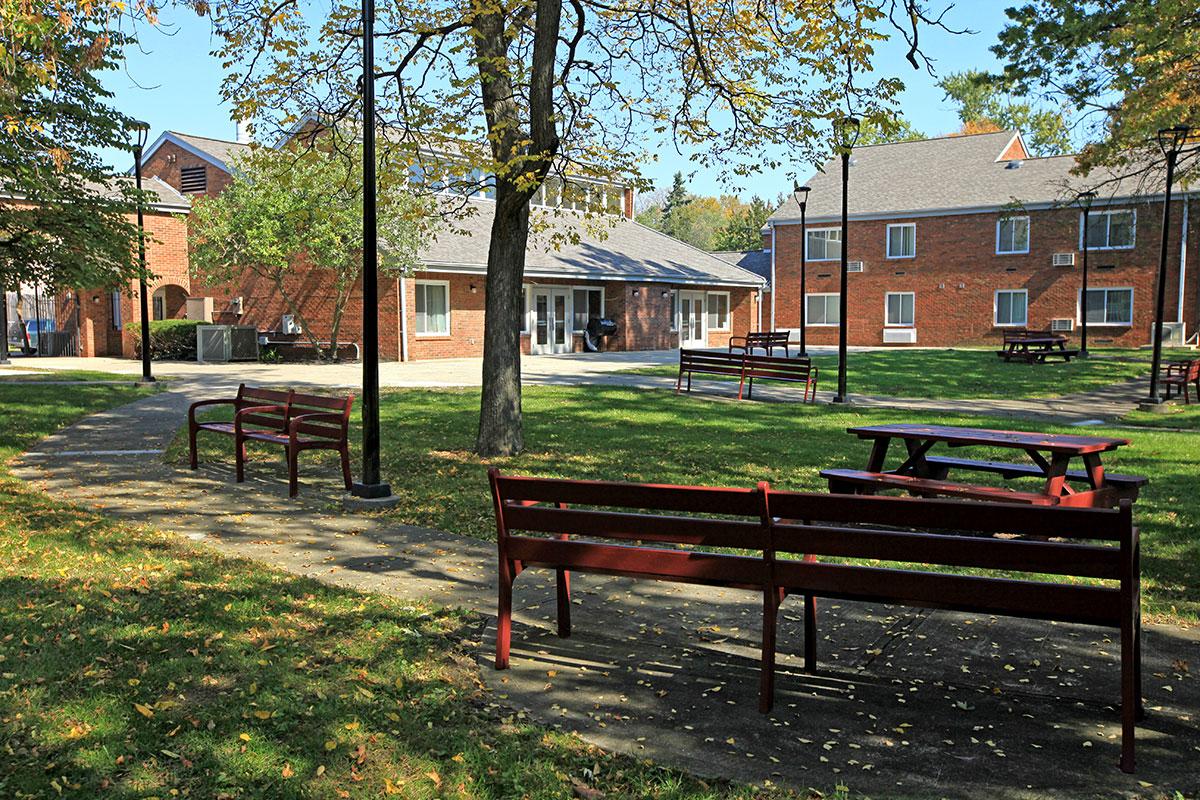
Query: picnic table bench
{"x":767,"y":543}
{"x":761,"y":340}
{"x":288,"y":418}
{"x":1182,"y":374}
{"x":1034,"y":347}
{"x":746,"y":367}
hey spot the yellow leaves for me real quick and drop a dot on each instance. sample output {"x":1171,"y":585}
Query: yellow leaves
{"x":389,"y":787}
{"x":145,"y":711}
{"x":330,"y":744}
{"x":352,"y":726}
{"x":287,"y":771}
{"x":433,"y":776}
{"x":245,"y":737}
{"x":260,"y":714}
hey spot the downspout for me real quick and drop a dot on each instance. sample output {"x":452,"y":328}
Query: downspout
{"x":403,"y":290}
{"x":774,"y":286}
{"x":1183,"y":244}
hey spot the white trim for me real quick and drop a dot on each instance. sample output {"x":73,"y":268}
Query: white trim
{"x":888,"y":239}
{"x":528,"y":305}
{"x":1105,"y":289}
{"x":403,"y":318}
{"x":808,"y":312}
{"x":1108,"y":212}
{"x":1028,"y":236}
{"x":692,"y":295}
{"x":808,"y":256}
{"x":168,"y":136}
{"x":773,"y":284}
{"x":481,"y":270}
{"x":449,"y":327}
{"x":996,"y":309}
{"x":1045,"y":205}
{"x":674,"y":300}
{"x":1015,"y":138}
{"x":574,"y":289}
{"x":887,"y":324}
{"x":728,"y":311}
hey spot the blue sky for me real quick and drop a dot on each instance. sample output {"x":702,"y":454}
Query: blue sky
{"x":173,"y":83}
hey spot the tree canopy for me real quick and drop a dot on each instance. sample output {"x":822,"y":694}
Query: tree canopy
{"x":985,"y":103}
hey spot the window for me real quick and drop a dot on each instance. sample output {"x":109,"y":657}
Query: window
{"x":1109,"y":230}
{"x":824,"y":244}
{"x":193,"y":179}
{"x":674,"y":310}
{"x":718,"y":311}
{"x":902,"y":240}
{"x":822,"y":309}
{"x":1109,"y":306}
{"x":115,"y":301}
{"x":1012,"y":235}
{"x":588,"y":303}
{"x":1012,"y":307}
{"x":899,"y":307}
{"x":433,"y":308}
{"x":524,"y":309}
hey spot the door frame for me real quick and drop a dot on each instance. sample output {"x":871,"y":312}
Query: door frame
{"x":686,"y":295}
{"x":551,"y":292}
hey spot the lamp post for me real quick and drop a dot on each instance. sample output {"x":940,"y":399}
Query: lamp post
{"x":1085,"y":202}
{"x":1170,"y":141}
{"x":371,"y":488}
{"x":140,"y":131}
{"x":846,"y":131}
{"x":801,"y":195}
{"x":3,"y":324}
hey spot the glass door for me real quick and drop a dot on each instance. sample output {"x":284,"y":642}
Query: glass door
{"x":693,"y":331}
{"x":551,"y":321}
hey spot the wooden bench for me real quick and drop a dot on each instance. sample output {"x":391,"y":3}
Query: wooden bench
{"x":746,"y":368}
{"x":1181,"y":374}
{"x":296,"y":421}
{"x":1126,"y":486}
{"x":761,"y":340}
{"x":767,"y":543}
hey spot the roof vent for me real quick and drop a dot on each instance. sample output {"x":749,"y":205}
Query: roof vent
{"x":1014,"y":164}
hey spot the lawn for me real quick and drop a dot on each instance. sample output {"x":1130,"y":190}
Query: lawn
{"x":136,"y":665}
{"x":960,"y":374}
{"x":60,"y":374}
{"x":1176,"y":416}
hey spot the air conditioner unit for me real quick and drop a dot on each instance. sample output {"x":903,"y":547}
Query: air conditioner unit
{"x":237,"y":306}
{"x":243,"y":343}
{"x":854,"y":266}
{"x":288,"y":324}
{"x":1063,"y":259}
{"x":899,"y":335}
{"x":213,"y":345}
{"x":1062,"y":325}
{"x":1173,"y":334}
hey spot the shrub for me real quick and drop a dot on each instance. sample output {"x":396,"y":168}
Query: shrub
{"x":170,"y":339}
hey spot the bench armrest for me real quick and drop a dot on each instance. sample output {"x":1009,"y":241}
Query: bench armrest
{"x":320,"y":416}
{"x":733,"y":342}
{"x":230,"y":401}
{"x":237,"y":418}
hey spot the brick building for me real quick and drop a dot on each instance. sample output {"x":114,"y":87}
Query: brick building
{"x":660,"y":292}
{"x":953,"y":240}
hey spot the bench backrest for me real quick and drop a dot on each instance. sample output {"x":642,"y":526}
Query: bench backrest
{"x":774,"y":526}
{"x":274,"y":418}
{"x":716,"y":362}
{"x":767,"y":337}
{"x":328,"y":427}
{"x":777,"y":367}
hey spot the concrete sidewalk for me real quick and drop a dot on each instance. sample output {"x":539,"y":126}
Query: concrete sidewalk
{"x":908,"y":703}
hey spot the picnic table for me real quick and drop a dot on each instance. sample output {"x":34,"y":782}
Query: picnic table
{"x":1034,"y":347}
{"x":1050,"y":456}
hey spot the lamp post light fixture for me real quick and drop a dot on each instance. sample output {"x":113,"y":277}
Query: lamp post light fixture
{"x":846,"y":131}
{"x":801,"y":195}
{"x":140,"y":132}
{"x":1085,"y":200}
{"x":1170,"y":141}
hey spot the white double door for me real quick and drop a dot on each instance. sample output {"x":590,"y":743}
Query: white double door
{"x":551,"y":321}
{"x":693,"y":324}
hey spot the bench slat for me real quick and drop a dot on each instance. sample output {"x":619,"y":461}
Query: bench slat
{"x":699,"y":499}
{"x":319,"y":401}
{"x":272,"y":396}
{"x":1011,"y":470}
{"x":640,"y":527}
{"x":888,"y":480}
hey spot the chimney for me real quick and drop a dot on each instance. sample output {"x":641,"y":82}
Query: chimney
{"x":243,"y":132}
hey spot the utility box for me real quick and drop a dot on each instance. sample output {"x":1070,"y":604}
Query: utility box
{"x":200,"y":309}
{"x":213,"y":344}
{"x":243,"y":343}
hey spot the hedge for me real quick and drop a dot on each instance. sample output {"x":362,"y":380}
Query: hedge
{"x":170,"y":339}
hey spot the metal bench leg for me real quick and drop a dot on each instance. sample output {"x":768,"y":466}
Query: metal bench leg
{"x":345,"y":452}
{"x":504,"y":613}
{"x":766,"y":678}
{"x":293,"y":471}
{"x":564,"y":602}
{"x":192,"y":430}
{"x":239,"y":457}
{"x":810,"y":626}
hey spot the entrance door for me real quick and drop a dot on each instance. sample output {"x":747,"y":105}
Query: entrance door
{"x":693,"y":328}
{"x":551,"y":321}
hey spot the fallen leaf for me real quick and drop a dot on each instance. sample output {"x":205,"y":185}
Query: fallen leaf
{"x":143,"y":710}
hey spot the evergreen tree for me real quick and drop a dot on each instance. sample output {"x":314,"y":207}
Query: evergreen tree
{"x":672,"y":222}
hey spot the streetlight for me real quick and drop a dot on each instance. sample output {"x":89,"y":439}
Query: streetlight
{"x":846,"y":131}
{"x":140,"y":131}
{"x":1170,"y":141}
{"x":801,"y":195}
{"x":1085,"y":202}
{"x":3,"y":324}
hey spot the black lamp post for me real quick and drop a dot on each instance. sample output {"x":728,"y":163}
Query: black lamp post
{"x":1085,"y":202}
{"x":846,"y":130}
{"x":140,"y":131}
{"x":801,"y":195}
{"x":3,"y":324}
{"x":1170,"y":141}
{"x":371,"y":487}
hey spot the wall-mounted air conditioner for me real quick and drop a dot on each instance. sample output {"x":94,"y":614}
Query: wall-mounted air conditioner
{"x":1063,"y":259}
{"x":1062,"y":325}
{"x":1173,"y":334}
{"x":288,"y":324}
{"x":854,"y":266}
{"x":237,"y":305}
{"x":899,"y":335}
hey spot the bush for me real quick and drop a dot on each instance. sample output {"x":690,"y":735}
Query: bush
{"x":170,"y":339}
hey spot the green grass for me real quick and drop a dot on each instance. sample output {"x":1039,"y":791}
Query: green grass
{"x":62,"y":375}
{"x":628,"y":434}
{"x":136,"y":665}
{"x":962,"y":374}
{"x":1177,"y":416}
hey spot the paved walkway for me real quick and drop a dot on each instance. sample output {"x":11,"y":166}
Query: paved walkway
{"x":908,"y":702}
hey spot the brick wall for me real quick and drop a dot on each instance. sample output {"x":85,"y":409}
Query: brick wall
{"x":170,"y":158}
{"x":956,"y":273}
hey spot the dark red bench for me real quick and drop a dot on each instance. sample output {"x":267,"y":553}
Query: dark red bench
{"x":1181,"y":374}
{"x":767,"y":543}
{"x":296,"y":421}
{"x":746,"y":367}
{"x":766,"y":341}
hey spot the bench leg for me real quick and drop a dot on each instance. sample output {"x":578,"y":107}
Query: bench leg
{"x":504,"y":613}
{"x":239,"y":458}
{"x":346,"y":479}
{"x":766,"y":678}
{"x":810,"y":626}
{"x":293,"y":471}
{"x":564,"y":602}
{"x":192,"y":430}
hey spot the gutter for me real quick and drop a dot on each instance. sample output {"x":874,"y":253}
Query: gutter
{"x":403,"y":290}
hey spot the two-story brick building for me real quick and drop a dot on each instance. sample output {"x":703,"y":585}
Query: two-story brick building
{"x":953,"y":240}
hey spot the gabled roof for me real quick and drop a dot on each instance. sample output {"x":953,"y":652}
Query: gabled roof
{"x":951,"y":174}
{"x":163,"y":195}
{"x":218,"y":152}
{"x":630,"y":251}
{"x":756,"y":261}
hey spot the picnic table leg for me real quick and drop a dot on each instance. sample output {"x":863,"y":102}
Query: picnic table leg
{"x":1056,"y":474}
{"x":878,"y":454}
{"x":1095,"y":470}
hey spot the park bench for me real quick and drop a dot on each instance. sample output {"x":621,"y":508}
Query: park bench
{"x":1034,"y":347}
{"x":767,"y":542}
{"x":760,"y":340}
{"x":288,"y":418}
{"x":1182,"y":374}
{"x":746,"y":367}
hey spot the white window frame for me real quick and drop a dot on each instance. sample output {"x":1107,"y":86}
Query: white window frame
{"x":1028,"y":236}
{"x":674,"y":310}
{"x":996,"y":309}
{"x":449,"y":315}
{"x":886,"y":324}
{"x":808,"y":257}
{"x":808,"y":323}
{"x":579,"y":331}
{"x":708,"y":305}
{"x":526,"y":307}
{"x":114,"y":308}
{"x":888,"y":240}
{"x":1079,"y":306}
{"x":1107,"y":214}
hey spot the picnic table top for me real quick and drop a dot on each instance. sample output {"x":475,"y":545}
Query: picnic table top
{"x":1051,"y":442}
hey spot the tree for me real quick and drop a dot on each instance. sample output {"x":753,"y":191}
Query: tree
{"x":286,"y":213}
{"x":1130,"y":67}
{"x":63,"y":218}
{"x":524,"y":90}
{"x":743,"y":229}
{"x":673,"y":208}
{"x":985,"y":103}
{"x":893,"y":129}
